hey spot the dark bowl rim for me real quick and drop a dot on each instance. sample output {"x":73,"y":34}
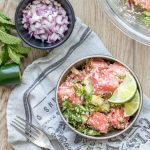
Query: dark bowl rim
{"x":121,"y":131}
{"x":48,"y":47}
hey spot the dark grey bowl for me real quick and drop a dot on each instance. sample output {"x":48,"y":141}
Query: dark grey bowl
{"x":113,"y":133}
{"x":31,"y":41}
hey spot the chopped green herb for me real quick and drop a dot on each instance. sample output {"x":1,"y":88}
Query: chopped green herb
{"x":79,"y":91}
{"x":72,"y":118}
{"x":121,"y":121}
{"x":10,"y":45}
{"x":88,"y":131}
{"x":88,"y":97}
{"x":107,"y":96}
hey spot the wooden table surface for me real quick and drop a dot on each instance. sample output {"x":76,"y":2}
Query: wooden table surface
{"x":136,"y":55}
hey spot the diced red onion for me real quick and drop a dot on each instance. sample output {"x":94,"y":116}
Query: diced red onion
{"x":45,"y":20}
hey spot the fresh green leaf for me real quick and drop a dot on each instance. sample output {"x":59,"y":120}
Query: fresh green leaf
{"x":21,"y":49}
{"x":9,"y":39}
{"x":2,"y":28}
{"x":1,"y":58}
{"x":4,"y":17}
{"x":6,"y":22}
{"x":10,"y":48}
{"x":14,"y":56}
{"x":8,"y":28}
{"x":3,"y":54}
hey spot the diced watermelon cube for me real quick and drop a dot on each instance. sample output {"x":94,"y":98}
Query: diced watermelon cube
{"x":118,"y":69}
{"x":66,"y":91}
{"x":96,"y":64}
{"x":104,"y":81}
{"x":99,"y":122}
{"x":117,"y":119}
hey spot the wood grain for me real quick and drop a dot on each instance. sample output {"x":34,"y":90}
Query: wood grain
{"x":122,"y":47}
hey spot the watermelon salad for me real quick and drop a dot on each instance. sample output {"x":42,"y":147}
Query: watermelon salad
{"x":142,"y":9}
{"x":98,"y":97}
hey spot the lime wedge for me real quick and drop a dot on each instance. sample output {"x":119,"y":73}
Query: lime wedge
{"x":125,"y":91}
{"x":132,"y":106}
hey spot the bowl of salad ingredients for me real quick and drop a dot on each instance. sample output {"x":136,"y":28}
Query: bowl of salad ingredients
{"x":44,"y":24}
{"x":99,"y":97}
{"x":131,"y":16}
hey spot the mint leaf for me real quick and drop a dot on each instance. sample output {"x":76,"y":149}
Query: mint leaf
{"x":2,"y":28}
{"x":6,"y":22}
{"x":1,"y":53}
{"x":4,"y":54}
{"x":21,"y":49}
{"x":8,"y":39}
{"x":10,"y":46}
{"x":14,"y":56}
{"x":0,"y":58}
{"x":4,"y":17}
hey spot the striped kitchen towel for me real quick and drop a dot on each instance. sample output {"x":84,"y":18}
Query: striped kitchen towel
{"x":34,"y":100}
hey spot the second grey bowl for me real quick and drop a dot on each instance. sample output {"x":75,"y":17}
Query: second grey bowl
{"x":113,"y":133}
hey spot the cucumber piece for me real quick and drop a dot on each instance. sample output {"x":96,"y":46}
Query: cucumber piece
{"x":146,"y":13}
{"x":105,"y":107}
{"x":146,"y":20}
{"x":97,"y":100}
{"x":88,"y":85}
{"x":84,"y":119}
{"x":10,"y":74}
